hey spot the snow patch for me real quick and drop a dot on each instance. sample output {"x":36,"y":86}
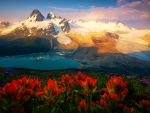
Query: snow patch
{"x":63,"y":39}
{"x":93,"y":26}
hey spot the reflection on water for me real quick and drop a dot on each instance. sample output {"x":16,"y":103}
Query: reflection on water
{"x":39,"y":58}
{"x":38,"y":62}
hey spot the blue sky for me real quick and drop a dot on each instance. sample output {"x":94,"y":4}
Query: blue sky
{"x":134,"y":13}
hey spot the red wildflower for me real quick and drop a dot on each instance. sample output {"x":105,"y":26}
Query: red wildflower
{"x":66,"y":80}
{"x":120,"y":105}
{"x":78,"y":77}
{"x":24,"y":79}
{"x":11,"y":89}
{"x":117,"y":87}
{"x":103,"y":103}
{"x":83,"y":105}
{"x":144,"y":102}
{"x":51,"y":91}
{"x":94,"y":104}
{"x":89,"y":85}
{"x":17,"y":92}
{"x":113,"y":96}
{"x":105,"y":96}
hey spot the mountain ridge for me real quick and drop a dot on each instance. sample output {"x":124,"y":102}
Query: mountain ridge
{"x":79,"y":40}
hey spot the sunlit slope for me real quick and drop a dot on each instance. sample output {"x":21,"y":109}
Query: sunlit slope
{"x":133,"y":45}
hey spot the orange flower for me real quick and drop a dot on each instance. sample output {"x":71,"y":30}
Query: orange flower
{"x":89,"y":85}
{"x":51,"y":91}
{"x":83,"y":105}
{"x":66,"y":80}
{"x":78,"y":77}
{"x":17,"y":92}
{"x":116,"y":88}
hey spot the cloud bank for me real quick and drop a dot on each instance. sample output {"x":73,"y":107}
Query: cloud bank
{"x":137,"y":12}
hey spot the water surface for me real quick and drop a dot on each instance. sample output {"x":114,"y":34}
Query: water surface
{"x":38,"y":62}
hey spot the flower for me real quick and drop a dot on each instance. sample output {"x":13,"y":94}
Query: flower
{"x":144,"y":83}
{"x":113,"y":96}
{"x":144,"y":102}
{"x":10,"y":89}
{"x":8,"y":71}
{"x":66,"y":80}
{"x":51,"y":91}
{"x":89,"y":85}
{"x":94,"y":104}
{"x":103,"y":103}
{"x":83,"y":105}
{"x":116,"y":88}
{"x":120,"y":105}
{"x":17,"y":92}
{"x":78,"y":77}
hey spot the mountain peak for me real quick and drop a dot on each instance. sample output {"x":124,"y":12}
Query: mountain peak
{"x":51,"y":15}
{"x":4,"y":24}
{"x":36,"y":16}
{"x":119,"y":24}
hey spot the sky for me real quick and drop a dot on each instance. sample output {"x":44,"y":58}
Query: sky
{"x":133,"y":13}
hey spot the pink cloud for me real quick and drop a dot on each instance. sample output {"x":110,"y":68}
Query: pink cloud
{"x":120,"y":2}
{"x":133,"y":4}
{"x":111,"y":13}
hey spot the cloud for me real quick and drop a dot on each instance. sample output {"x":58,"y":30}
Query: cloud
{"x":120,"y":2}
{"x":133,"y":4}
{"x":60,"y":8}
{"x":111,"y":13}
{"x":138,"y":11}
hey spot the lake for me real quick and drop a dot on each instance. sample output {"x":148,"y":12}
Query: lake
{"x":41,"y":61}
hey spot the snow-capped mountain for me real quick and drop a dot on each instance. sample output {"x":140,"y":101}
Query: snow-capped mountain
{"x":36,"y":16}
{"x":112,"y":37}
{"x":51,"y":15}
{"x":37,"y":25}
{"x":83,"y":27}
{"x":58,"y":25}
